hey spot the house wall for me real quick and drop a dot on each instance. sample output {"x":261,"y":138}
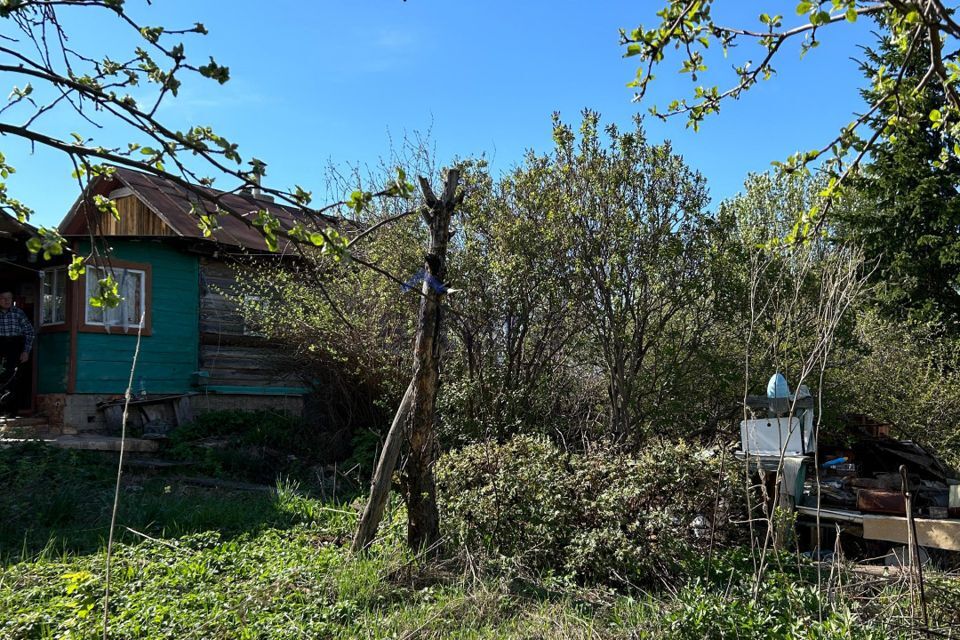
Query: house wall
{"x":169,"y":356}
{"x":53,"y":351}
{"x":233,"y":360}
{"x":136,"y":219}
{"x":195,"y":327}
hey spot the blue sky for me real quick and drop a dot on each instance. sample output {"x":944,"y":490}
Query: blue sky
{"x":323,"y":82}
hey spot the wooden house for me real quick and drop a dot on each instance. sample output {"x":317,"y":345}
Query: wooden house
{"x":193,"y":341}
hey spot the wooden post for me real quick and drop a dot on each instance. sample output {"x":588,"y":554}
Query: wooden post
{"x":380,"y":484}
{"x":416,"y":415}
{"x":913,"y":547}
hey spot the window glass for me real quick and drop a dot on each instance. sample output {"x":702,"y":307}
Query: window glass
{"x":131,"y":286}
{"x":54,"y":296}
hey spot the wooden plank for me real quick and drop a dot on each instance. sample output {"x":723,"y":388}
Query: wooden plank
{"x":252,"y":363}
{"x":135,"y":220}
{"x":231,"y":330}
{"x":255,"y":391}
{"x":266,"y":383}
{"x":238,"y":350}
{"x":213,"y":339}
{"x":167,"y":351}
{"x":248,"y":374}
{"x":218,"y":303}
{"x":838,"y":515}
{"x":937,"y":534}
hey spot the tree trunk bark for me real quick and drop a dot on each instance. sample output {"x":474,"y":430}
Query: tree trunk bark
{"x":416,"y":415}
{"x":423,"y":523}
{"x":382,"y":475}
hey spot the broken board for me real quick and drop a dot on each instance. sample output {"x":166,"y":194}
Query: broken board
{"x":937,"y":534}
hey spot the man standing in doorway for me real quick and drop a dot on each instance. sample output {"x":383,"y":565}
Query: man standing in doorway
{"x":16,"y":340}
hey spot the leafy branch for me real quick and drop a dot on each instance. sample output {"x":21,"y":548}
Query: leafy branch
{"x":49,"y":76}
{"x":910,"y":26}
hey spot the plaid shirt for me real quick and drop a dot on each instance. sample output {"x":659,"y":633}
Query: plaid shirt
{"x":14,"y":322}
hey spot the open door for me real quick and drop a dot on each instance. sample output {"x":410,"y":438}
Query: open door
{"x":19,"y":273}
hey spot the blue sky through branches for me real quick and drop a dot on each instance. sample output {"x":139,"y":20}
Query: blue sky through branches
{"x":334,"y":81}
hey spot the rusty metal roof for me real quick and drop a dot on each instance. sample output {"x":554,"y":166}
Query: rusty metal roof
{"x":174,"y":205}
{"x":10,"y":226}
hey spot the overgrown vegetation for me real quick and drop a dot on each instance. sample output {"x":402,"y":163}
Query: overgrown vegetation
{"x":58,"y":502}
{"x":601,"y":326}
{"x":255,"y":445}
{"x":596,"y":517}
{"x":277,"y":565}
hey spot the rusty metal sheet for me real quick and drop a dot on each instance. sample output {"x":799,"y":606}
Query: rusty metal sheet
{"x":881,"y":501}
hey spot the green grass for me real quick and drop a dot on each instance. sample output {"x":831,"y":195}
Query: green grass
{"x":60,"y":501}
{"x":228,"y":564}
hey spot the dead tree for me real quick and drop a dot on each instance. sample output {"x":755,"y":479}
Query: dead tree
{"x":414,"y":420}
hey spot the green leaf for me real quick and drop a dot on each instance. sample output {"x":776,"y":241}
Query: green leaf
{"x":215,"y":71}
{"x":804,"y":8}
{"x":77,"y":268}
{"x":106,"y":206}
{"x":358,"y":200}
{"x":109,"y":296}
{"x":271,"y":241}
{"x":936,"y":116}
{"x":819,"y":18}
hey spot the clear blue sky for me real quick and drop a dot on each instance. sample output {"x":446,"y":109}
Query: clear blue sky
{"x":332,"y":81}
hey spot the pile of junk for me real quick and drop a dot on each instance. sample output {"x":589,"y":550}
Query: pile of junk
{"x":872,"y":486}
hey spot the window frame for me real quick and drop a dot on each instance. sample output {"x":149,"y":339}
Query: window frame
{"x":55,"y":276}
{"x":118,"y":266}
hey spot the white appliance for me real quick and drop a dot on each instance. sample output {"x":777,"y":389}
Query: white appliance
{"x":775,"y":436}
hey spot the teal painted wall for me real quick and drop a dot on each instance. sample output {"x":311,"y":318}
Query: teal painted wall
{"x":169,"y":356}
{"x":53,"y":354}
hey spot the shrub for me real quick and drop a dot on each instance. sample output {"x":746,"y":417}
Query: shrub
{"x":597,"y":517}
{"x":249,"y":444}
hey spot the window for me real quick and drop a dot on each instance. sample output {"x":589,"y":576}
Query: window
{"x":54,"y":296}
{"x":131,"y":286}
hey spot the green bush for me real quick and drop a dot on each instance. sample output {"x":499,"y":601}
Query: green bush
{"x":596,"y":517}
{"x":255,"y":445}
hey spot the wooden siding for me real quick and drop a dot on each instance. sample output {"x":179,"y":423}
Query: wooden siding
{"x":169,"y":356}
{"x":53,"y":366}
{"x":229,"y":356}
{"x":136,"y":219}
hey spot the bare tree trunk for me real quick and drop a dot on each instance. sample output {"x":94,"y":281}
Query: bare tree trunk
{"x":423,"y":523}
{"x":416,"y":415}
